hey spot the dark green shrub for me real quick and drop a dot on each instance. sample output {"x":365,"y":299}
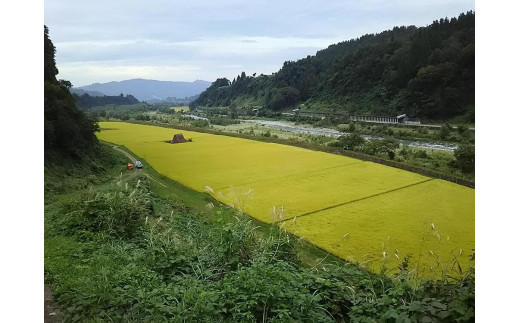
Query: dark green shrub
{"x":465,"y":157}
{"x":374,"y":147}
{"x":343,"y":127}
{"x":445,"y":131}
{"x":200,"y":123}
{"x":405,"y":152}
{"x":464,"y":131}
{"x":120,"y":213}
{"x":350,"y":141}
{"x":421,"y":154}
{"x":270,"y":292}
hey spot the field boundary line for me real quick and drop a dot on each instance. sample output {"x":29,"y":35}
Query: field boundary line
{"x":356,"y":200}
{"x":150,"y":177}
{"x":285,"y":176}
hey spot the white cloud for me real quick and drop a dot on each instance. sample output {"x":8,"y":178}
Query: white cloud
{"x":116,"y":71}
{"x":213,"y":37}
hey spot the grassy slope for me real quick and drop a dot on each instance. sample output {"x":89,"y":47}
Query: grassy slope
{"x":187,"y":261}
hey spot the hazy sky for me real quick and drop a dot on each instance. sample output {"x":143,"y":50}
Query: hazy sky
{"x":113,"y":40}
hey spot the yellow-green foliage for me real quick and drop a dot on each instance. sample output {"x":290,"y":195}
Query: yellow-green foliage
{"x":314,"y":190}
{"x":433,"y":221}
{"x":181,"y":109}
{"x":358,"y":210}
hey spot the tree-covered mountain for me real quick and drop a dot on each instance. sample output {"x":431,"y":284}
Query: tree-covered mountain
{"x":80,"y":92}
{"x":424,"y":72}
{"x":86,"y":101}
{"x":145,"y":90}
{"x":174,"y":100}
{"x":67,"y":131}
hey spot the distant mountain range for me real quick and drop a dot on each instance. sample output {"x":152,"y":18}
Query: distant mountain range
{"x":80,"y":92}
{"x":145,"y":90}
{"x":174,"y":100}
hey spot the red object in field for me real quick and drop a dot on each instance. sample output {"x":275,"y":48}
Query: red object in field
{"x":130,"y":166}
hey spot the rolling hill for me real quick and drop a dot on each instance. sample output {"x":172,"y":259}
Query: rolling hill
{"x":145,"y":90}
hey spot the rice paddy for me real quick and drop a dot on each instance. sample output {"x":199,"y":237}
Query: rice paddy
{"x":364,"y":212}
{"x":180,"y":109}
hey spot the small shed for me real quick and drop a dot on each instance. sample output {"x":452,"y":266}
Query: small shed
{"x":178,"y":138}
{"x":402,"y":118}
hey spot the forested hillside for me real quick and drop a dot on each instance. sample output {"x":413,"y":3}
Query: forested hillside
{"x":86,"y":101}
{"x":67,"y":131}
{"x":426,"y":72}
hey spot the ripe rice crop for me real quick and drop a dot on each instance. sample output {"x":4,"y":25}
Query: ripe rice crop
{"x":180,"y":109}
{"x":431,"y":221}
{"x":358,"y":210}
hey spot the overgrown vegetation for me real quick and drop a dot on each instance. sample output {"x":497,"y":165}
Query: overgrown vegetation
{"x":122,"y":249}
{"x":64,"y":174}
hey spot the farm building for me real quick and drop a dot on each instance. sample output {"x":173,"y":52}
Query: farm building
{"x":178,"y":138}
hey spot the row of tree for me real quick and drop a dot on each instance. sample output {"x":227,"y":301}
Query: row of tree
{"x":86,"y":101}
{"x":425,"y":72}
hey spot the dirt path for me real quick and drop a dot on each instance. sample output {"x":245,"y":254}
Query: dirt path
{"x":51,"y":312}
{"x":132,"y":158}
{"x":137,"y":171}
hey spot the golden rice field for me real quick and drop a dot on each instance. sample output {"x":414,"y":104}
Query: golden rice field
{"x":364,"y":212}
{"x":180,"y":109}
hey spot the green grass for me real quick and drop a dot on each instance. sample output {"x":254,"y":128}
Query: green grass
{"x":63,"y":175}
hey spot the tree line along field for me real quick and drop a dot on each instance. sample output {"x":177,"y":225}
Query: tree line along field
{"x":363,"y":212}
